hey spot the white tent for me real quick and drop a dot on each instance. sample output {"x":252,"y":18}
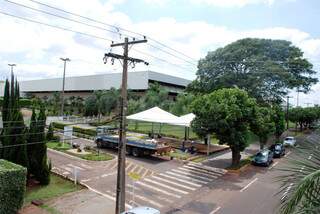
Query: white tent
{"x":184,"y":120}
{"x":154,"y":115}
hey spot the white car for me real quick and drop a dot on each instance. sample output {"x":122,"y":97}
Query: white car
{"x":289,"y":141}
{"x":142,"y":210}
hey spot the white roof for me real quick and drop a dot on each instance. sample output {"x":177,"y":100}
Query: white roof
{"x":185,"y":120}
{"x":155,"y":115}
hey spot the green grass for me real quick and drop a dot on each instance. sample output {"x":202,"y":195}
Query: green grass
{"x":93,"y":156}
{"x":57,"y":187}
{"x":200,"y":159}
{"x":50,"y":209}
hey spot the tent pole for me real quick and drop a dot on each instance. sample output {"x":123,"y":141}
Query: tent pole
{"x":152,"y":131}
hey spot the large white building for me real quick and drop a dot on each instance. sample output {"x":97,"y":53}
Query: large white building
{"x":84,"y":85}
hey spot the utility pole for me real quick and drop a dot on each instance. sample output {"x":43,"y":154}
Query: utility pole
{"x":288,"y":97}
{"x":120,"y":197}
{"x":65,"y":60}
{"x":12,"y":65}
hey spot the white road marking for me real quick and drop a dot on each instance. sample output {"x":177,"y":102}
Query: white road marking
{"x":181,"y":180}
{"x":202,"y":170}
{"x":192,"y":175}
{"x":174,"y":183}
{"x":107,"y":196}
{"x":67,"y":168}
{"x":273,"y":165}
{"x":286,"y":192}
{"x":132,"y":170}
{"x":66,"y":173}
{"x":140,"y":170}
{"x":128,"y":166}
{"x":287,"y":154}
{"x":310,"y":156}
{"x":86,"y":180}
{"x":114,"y":166}
{"x":199,"y":173}
{"x":166,"y":186}
{"x":145,"y":173}
{"x":106,"y":175}
{"x":187,"y":177}
{"x":145,"y":199}
{"x":77,"y":167}
{"x":244,"y":188}
{"x":209,"y":168}
{"x":158,"y":190}
{"x":215,"y":210}
{"x":86,"y":166}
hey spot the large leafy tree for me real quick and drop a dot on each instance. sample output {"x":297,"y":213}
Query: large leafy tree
{"x":263,"y":124}
{"x":227,"y":113}
{"x":182,"y":104}
{"x":279,"y":121}
{"x":265,"y":68}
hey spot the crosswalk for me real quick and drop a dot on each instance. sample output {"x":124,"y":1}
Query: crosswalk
{"x":160,"y":189}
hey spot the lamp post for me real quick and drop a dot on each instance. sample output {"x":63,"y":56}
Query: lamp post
{"x":65,"y":60}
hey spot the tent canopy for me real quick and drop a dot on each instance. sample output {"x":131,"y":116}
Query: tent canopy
{"x":154,"y":115}
{"x":157,"y":115}
{"x":184,"y":120}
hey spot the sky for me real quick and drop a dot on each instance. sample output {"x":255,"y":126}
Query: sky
{"x":179,"y":33}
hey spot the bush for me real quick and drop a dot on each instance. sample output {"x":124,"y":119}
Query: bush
{"x":91,"y":132}
{"x":12,"y":187}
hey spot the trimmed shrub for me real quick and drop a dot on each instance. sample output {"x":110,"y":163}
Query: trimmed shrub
{"x":12,"y":187}
{"x":91,"y":132}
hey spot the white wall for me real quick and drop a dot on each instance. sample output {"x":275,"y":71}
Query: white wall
{"x":1,"y":88}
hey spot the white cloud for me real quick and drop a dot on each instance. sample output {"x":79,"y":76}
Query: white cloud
{"x":232,"y":3}
{"x":37,"y":49}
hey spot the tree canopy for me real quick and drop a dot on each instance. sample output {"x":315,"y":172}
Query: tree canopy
{"x":228,"y":113}
{"x":265,"y":68}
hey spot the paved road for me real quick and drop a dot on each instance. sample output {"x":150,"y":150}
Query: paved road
{"x":156,"y":188}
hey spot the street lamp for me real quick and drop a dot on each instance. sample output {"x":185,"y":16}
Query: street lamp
{"x":12,"y":65}
{"x":65,"y":60}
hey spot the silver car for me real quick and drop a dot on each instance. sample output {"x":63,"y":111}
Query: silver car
{"x":142,"y":210}
{"x":289,"y":141}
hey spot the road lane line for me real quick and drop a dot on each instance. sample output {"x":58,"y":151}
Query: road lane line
{"x":244,"y":188}
{"x":145,"y":173}
{"x":199,"y":173}
{"x":66,"y":173}
{"x":114,"y":165}
{"x":145,"y":199}
{"x":166,"y":186}
{"x":157,"y":189}
{"x":77,"y":167}
{"x":186,"y":177}
{"x":140,"y":170}
{"x":67,"y":168}
{"x":215,"y":210}
{"x":86,"y":180}
{"x":86,"y":166}
{"x":209,"y":168}
{"x":181,"y":180}
{"x":273,"y":165}
{"x":174,"y":183}
{"x":106,"y":175}
{"x":192,"y":175}
{"x":202,"y":170}
{"x":287,"y":154}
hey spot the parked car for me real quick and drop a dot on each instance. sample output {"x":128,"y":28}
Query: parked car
{"x":263,"y":158}
{"x":278,"y":150}
{"x":289,"y":141}
{"x":142,"y":210}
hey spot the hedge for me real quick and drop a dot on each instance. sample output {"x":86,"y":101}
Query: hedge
{"x":12,"y":187}
{"x":91,"y":132}
{"x":23,"y":102}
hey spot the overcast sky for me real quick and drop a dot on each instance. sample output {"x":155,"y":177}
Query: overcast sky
{"x":193,"y":27}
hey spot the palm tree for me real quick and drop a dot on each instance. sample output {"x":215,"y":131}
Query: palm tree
{"x":301,"y":184}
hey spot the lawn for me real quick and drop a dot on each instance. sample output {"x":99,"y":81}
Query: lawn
{"x":57,"y":187}
{"x":93,"y":156}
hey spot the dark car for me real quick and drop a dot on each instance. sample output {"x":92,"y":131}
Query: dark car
{"x":278,"y":150}
{"x":263,"y":158}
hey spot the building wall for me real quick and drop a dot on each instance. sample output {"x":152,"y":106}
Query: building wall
{"x":2,"y":88}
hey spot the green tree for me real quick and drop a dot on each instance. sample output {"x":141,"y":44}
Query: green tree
{"x":227,"y":113}
{"x":182,"y":104}
{"x":13,"y":135}
{"x":263,"y":125}
{"x":279,"y":121}
{"x":305,"y":117}
{"x":49,"y":135}
{"x":265,"y":68}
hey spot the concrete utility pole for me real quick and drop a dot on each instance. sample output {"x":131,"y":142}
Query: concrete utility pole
{"x":12,"y":65}
{"x":65,"y":60}
{"x":288,"y":97}
{"x":121,"y":197}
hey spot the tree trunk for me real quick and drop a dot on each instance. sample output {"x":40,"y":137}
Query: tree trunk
{"x":235,"y":156}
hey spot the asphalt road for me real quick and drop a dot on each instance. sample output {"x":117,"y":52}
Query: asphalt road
{"x":174,"y":187}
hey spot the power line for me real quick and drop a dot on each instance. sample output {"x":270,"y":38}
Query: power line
{"x":115,"y":27}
